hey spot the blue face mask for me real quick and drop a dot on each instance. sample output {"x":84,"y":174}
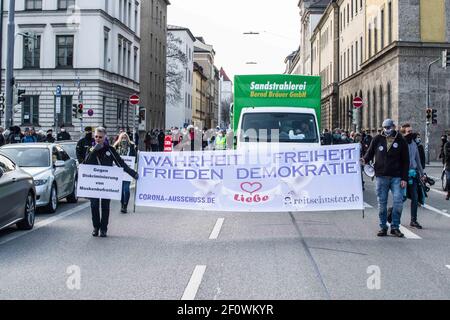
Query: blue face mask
{"x":388,"y":132}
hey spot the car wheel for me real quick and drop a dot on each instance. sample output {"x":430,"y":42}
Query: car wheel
{"x":72,"y":198}
{"x":30,"y":210}
{"x":53,"y":201}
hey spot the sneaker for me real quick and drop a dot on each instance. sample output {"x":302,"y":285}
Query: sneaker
{"x":397,"y":233}
{"x":448,"y":196}
{"x":123,"y":209}
{"x":415,"y":224}
{"x":382,"y":233}
{"x":103,"y":234}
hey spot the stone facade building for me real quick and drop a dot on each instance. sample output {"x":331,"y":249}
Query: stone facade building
{"x":88,"y":47}
{"x":153,"y":62}
{"x":385,"y":48}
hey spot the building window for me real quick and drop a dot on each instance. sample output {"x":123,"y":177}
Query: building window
{"x":381,"y":113}
{"x":32,"y":52}
{"x":105,"y":49}
{"x":119,"y":59}
{"x":370,"y":40}
{"x":348,"y":13}
{"x":374,"y":111}
{"x":389,"y":101}
{"x":382,"y":29}
{"x":356,"y":56}
{"x":375,"y":35}
{"x":390,"y":21}
{"x":65,"y":117}
{"x":64,"y":51}
{"x":353,"y":65}
{"x":33,"y":4}
{"x":104,"y":112}
{"x":361,"y":49}
{"x":352,"y":8}
{"x":30,"y":111}
{"x":136,"y":18}
{"x":348,"y":62}
{"x":65,"y":4}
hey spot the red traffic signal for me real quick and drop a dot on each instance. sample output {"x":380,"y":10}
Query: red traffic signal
{"x":429,"y":113}
{"x":80,"y":108}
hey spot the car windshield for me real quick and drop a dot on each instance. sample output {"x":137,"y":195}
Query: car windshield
{"x":29,"y":157}
{"x":70,"y":148}
{"x":290,"y":128}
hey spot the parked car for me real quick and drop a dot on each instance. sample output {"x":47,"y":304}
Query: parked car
{"x":17,"y":196}
{"x":70,"y":147}
{"x":54,"y":172}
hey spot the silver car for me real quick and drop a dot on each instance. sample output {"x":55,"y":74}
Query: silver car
{"x":53,"y":171}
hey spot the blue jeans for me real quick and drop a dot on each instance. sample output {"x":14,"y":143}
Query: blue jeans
{"x":384,"y":184}
{"x":125,"y":193}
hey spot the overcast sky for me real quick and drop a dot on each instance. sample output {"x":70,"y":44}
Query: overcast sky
{"x":222,"y":24}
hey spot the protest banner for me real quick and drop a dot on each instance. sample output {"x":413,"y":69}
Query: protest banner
{"x":99,"y":182}
{"x":131,"y":162}
{"x":309,"y":179}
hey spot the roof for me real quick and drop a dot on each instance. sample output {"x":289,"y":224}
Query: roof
{"x":224,"y":75}
{"x":177,"y":28}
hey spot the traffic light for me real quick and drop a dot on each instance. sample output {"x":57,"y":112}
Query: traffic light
{"x":75,"y":111}
{"x":80,"y":110}
{"x":445,"y":59}
{"x":350,"y":114}
{"x":429,"y":114}
{"x":18,"y":96}
{"x":434,"y":117}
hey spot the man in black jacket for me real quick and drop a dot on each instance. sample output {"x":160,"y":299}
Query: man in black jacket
{"x":102,"y":154}
{"x":84,"y":144}
{"x":390,"y":151}
{"x":447,"y":167}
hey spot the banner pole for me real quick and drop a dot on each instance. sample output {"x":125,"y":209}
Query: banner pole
{"x":135,"y":186}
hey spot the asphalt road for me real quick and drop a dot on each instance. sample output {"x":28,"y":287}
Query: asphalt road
{"x":169,"y":254}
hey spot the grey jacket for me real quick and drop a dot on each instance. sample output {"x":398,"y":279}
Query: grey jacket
{"x":414,"y":158}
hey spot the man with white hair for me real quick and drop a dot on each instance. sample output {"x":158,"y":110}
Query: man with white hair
{"x":391,"y":154}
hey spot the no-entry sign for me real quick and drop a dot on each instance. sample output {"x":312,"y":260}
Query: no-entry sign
{"x":357,"y":102}
{"x":134,"y":99}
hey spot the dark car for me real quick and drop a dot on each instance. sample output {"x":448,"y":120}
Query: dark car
{"x":17,"y":196}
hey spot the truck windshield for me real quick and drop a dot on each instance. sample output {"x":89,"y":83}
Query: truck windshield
{"x":279,"y":127}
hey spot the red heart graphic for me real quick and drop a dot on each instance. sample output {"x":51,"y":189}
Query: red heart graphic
{"x":251,"y":187}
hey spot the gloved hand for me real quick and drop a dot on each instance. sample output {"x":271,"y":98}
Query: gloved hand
{"x":98,"y":146}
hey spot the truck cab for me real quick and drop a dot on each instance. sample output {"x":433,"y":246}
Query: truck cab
{"x":273,"y":125}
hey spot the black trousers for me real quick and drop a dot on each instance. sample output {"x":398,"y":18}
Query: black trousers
{"x":100,"y":223}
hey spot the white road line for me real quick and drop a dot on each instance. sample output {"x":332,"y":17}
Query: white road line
{"x":45,"y":222}
{"x":215,"y":233}
{"x":191,"y":290}
{"x":448,"y":266}
{"x":366,"y":205}
{"x":436,"y":210}
{"x":408,"y":233}
{"x":439,"y":191}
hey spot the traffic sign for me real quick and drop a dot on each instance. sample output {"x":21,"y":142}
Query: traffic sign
{"x":90,"y":112}
{"x":58,"y":104}
{"x":357,"y":102}
{"x":168,"y":144}
{"x":134,"y":99}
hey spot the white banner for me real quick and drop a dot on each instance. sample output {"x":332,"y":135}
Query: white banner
{"x":99,"y":182}
{"x":308,"y":179}
{"x":131,"y":162}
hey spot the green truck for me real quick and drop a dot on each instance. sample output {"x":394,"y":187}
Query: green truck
{"x":276,"y":109}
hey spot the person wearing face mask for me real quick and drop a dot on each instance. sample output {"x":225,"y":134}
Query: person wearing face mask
{"x":391,"y":154}
{"x":221,"y":141}
{"x":102,"y":154}
{"x":414,"y":174}
{"x":49,"y":138}
{"x":125,"y":147}
{"x":63,"y":135}
{"x":420,"y":147}
{"x":84,"y":144}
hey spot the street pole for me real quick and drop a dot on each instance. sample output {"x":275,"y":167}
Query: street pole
{"x":10,"y":65}
{"x":427,"y":123}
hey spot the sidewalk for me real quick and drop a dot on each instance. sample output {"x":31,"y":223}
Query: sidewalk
{"x":435,"y":164}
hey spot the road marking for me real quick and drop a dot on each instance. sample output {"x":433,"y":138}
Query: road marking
{"x":45,"y":222}
{"x":436,"y":210}
{"x":408,"y":233}
{"x":439,"y":191}
{"x":448,"y":266}
{"x":215,"y":233}
{"x":366,"y":205}
{"x":191,"y":290}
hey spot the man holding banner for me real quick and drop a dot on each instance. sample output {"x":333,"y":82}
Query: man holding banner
{"x":390,"y":151}
{"x":103,"y":154}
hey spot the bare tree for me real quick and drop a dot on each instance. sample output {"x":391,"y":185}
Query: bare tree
{"x":176,"y":65}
